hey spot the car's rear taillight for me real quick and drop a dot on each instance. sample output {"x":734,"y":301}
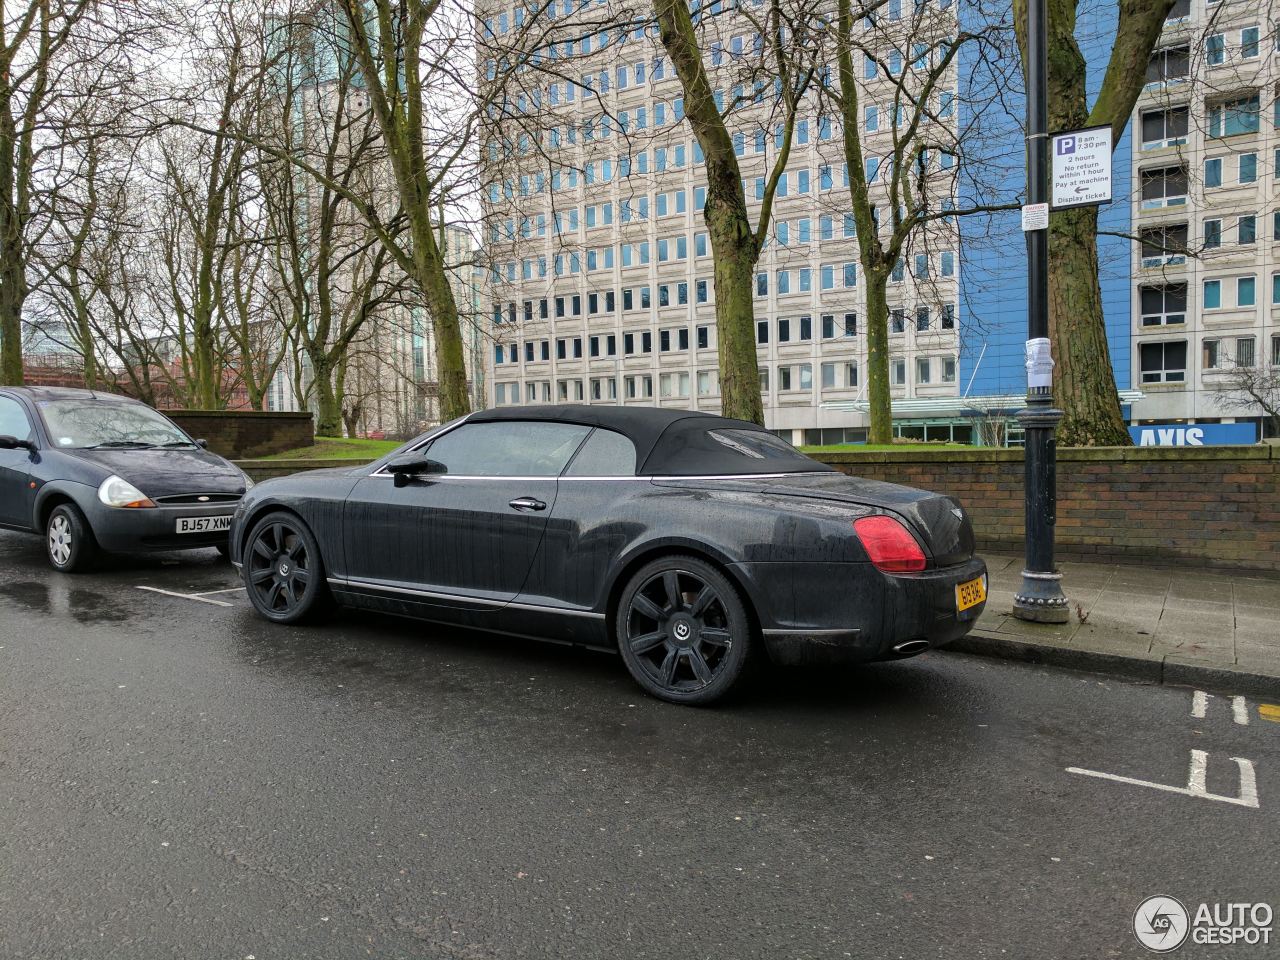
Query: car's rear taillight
{"x":889,"y":545}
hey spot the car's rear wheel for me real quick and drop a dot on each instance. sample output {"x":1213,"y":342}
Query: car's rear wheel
{"x":283,"y":572}
{"x":68,"y":540}
{"x":683,"y":631}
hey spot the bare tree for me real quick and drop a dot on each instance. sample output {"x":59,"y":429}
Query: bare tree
{"x":60,"y":60}
{"x":737,"y":238}
{"x":903,"y":193}
{"x":1084,"y":385}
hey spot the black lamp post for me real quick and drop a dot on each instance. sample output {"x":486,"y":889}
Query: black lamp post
{"x":1040,"y":597}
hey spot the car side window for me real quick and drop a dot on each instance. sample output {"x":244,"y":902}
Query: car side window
{"x":507,"y":448}
{"x":605,"y":454}
{"x":13,"y":420}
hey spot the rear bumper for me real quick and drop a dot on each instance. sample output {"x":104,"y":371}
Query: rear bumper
{"x":853,"y":613}
{"x":123,"y":531}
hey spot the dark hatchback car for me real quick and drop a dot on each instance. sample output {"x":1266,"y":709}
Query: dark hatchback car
{"x":692,"y":544}
{"x":97,"y":472}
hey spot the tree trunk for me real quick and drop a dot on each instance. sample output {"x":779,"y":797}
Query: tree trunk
{"x":328,"y":404}
{"x":734,"y":245}
{"x":12,"y":295}
{"x":1083,"y":380}
{"x":735,"y":262}
{"x":1084,"y":385}
{"x":880,"y":406}
{"x":451,"y":364}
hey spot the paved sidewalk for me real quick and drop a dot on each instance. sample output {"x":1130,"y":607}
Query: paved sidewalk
{"x":1167,"y":624}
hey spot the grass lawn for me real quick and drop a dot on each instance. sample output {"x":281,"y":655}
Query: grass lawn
{"x":879,"y":447}
{"x":332,"y":448}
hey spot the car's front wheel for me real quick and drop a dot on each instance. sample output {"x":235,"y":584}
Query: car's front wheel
{"x":683,"y":631}
{"x":68,"y":540}
{"x":283,"y":572}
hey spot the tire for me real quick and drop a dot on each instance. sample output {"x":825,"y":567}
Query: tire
{"x":68,"y":540}
{"x":683,"y":631}
{"x":283,"y":571}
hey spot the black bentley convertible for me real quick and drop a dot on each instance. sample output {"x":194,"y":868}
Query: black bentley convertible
{"x":693,"y":544}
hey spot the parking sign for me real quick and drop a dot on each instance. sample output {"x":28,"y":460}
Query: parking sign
{"x":1081,"y":167}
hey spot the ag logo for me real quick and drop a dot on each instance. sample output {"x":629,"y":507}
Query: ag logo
{"x":1161,"y":924}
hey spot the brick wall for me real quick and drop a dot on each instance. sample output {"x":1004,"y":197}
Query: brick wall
{"x":1215,"y":505}
{"x":240,"y":434}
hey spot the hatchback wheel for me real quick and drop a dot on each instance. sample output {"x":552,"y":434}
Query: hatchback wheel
{"x":68,"y":540}
{"x":683,"y":630}
{"x":283,"y":572}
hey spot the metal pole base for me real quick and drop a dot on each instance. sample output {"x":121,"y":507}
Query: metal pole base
{"x":1041,"y":599}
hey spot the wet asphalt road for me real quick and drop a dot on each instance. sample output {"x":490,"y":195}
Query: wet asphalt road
{"x":180,"y":779}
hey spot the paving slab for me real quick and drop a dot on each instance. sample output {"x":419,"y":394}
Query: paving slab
{"x":1164,"y":624}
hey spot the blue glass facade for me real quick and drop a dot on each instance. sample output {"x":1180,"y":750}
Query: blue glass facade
{"x":993,"y":274}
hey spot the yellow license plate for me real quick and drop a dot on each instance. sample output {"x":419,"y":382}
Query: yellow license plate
{"x":971,"y":593}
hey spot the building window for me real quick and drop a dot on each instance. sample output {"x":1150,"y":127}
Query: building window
{"x":1244,"y":352}
{"x":899,"y":372}
{"x":923,"y":369}
{"x":1275,"y":351}
{"x":1213,"y":172}
{"x":1212,"y":298}
{"x":1212,"y":235}
{"x":1210,"y":355}
{"x":1163,"y":245}
{"x":1163,"y":304}
{"x":897,"y":321}
{"x":1231,"y":118}
{"x":948,"y":369}
{"x":1246,"y":292}
{"x":1170,"y":64}
{"x":1248,"y":168}
{"x":1163,"y":362}
{"x":922,"y":318}
{"x":1164,"y":187}
{"x":1164,"y":128}
{"x":1247,"y":229}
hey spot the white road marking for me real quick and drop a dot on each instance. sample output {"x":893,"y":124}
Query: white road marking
{"x":1200,"y":706}
{"x":187,"y":596}
{"x":209,"y":593}
{"x":1240,"y":710}
{"x":1195,"y":781}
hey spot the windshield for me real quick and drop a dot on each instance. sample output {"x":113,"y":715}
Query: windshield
{"x":94,"y":423}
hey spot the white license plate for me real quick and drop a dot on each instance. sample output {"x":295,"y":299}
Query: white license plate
{"x":204,"y":524}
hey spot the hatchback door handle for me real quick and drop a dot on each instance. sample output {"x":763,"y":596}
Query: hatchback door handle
{"x":527,"y":503}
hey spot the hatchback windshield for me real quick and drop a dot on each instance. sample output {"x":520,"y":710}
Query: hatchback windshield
{"x":87,"y":423}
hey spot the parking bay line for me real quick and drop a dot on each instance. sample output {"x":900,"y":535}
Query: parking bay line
{"x":189,"y":596}
{"x":1195,"y":781}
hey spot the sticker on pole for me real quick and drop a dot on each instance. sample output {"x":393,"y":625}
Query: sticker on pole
{"x":1081,"y":167}
{"x":1039,"y":363}
{"x":1035,"y":216}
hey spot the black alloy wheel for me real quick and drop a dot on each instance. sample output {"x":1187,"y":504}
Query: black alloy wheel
{"x":683,"y":630}
{"x":283,"y":572}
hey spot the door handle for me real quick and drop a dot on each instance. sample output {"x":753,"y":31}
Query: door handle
{"x":526,"y":503}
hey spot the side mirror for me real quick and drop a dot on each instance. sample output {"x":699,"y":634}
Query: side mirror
{"x":202,"y":444}
{"x":13,"y":443}
{"x":404,"y":469}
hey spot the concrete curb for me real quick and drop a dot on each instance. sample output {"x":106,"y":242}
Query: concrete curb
{"x":1163,"y":670}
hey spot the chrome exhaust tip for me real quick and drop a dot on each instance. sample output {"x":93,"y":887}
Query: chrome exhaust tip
{"x":910,"y":647}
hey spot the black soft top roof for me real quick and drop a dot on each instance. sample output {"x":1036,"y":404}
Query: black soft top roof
{"x":673,"y":442}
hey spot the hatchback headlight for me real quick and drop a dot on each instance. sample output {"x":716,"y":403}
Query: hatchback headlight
{"x":118,"y":492}
{"x":248,"y":484}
